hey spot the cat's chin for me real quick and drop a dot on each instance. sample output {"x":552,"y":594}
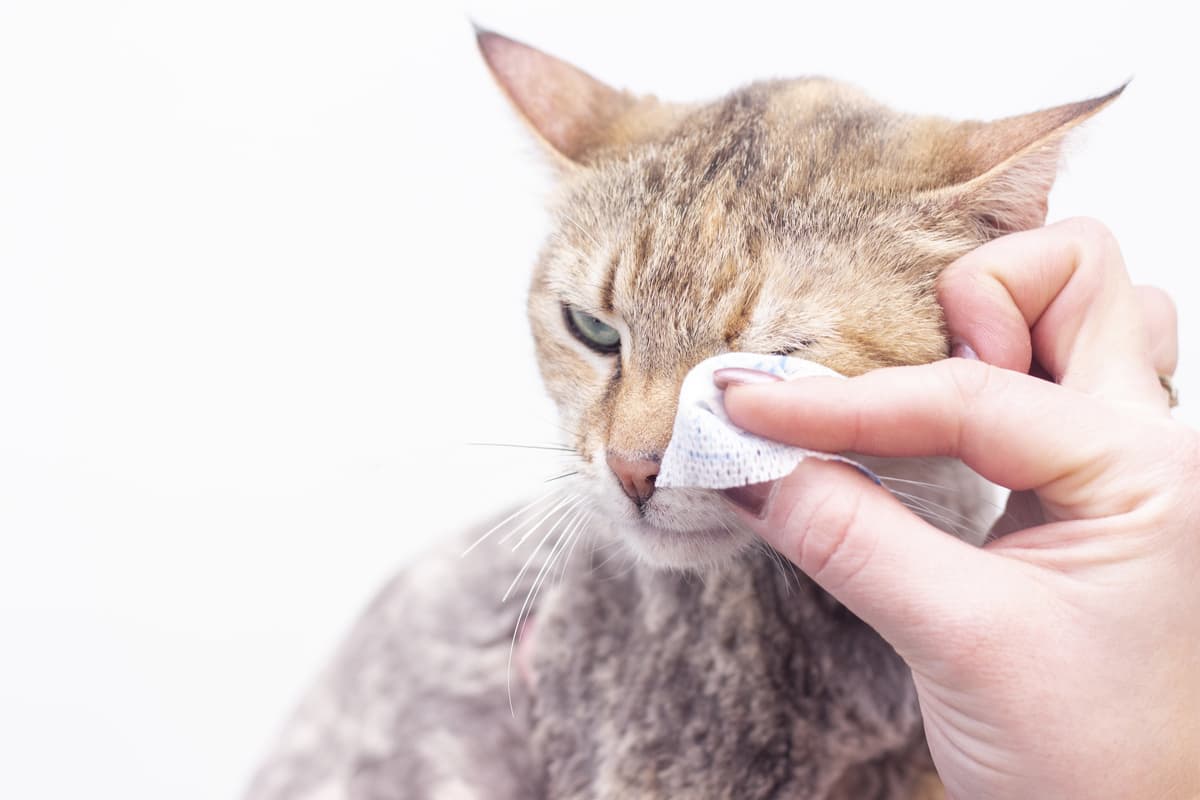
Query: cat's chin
{"x":672,"y":535}
{"x":677,"y":529}
{"x":678,"y":550}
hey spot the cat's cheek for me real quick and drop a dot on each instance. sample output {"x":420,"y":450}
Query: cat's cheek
{"x":577,"y":384}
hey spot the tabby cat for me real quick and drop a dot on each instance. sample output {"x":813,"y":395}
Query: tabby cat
{"x":677,"y":657}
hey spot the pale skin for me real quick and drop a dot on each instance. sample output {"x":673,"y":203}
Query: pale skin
{"x":1062,"y":659}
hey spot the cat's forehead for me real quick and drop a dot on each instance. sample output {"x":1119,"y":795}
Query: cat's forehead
{"x":822,"y":132}
{"x":734,"y":193}
{"x":772,"y":161}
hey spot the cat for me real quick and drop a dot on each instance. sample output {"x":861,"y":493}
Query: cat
{"x":673,"y":656}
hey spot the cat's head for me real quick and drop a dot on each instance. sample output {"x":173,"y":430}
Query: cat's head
{"x":794,"y":217}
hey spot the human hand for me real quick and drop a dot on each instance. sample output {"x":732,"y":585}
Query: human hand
{"x":1061,"y":659}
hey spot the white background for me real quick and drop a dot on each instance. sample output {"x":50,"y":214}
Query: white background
{"x":262,"y":268}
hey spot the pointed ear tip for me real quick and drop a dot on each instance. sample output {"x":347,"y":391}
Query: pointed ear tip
{"x":1071,"y":114}
{"x":482,"y":34}
{"x":1117,"y":92}
{"x":1100,"y":101}
{"x":488,"y":39}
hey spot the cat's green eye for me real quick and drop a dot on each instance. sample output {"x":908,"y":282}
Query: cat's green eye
{"x":595,"y":334}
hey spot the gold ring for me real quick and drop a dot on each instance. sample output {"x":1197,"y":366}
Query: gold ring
{"x":1172,"y":392}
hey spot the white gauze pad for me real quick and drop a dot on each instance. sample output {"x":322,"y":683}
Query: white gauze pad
{"x":707,"y":451}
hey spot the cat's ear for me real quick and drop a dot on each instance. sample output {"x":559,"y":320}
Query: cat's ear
{"x":1007,"y":167}
{"x":569,"y":111}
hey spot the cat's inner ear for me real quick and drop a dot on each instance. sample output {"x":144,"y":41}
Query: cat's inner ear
{"x":1004,"y":169}
{"x":569,"y":111}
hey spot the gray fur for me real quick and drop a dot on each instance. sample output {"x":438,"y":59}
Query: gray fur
{"x":742,"y":681}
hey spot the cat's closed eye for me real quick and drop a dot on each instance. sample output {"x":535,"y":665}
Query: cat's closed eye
{"x":794,"y":347}
{"x":597,"y":335}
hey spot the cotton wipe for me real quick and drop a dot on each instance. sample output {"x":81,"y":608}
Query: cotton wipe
{"x":707,"y":451}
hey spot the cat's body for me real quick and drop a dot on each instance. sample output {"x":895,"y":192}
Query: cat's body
{"x":745,"y":682}
{"x":676,"y":657}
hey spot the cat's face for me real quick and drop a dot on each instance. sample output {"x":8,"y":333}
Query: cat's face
{"x":795,"y":217}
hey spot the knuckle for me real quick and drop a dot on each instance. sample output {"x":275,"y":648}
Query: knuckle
{"x":1156,"y":294}
{"x":968,"y":378}
{"x":1090,"y":231}
{"x":825,"y":530}
{"x":1095,"y":245}
{"x":1161,"y":464}
{"x":968,"y":381}
{"x":968,"y":384}
{"x":958,"y":272}
{"x":1158,"y":303}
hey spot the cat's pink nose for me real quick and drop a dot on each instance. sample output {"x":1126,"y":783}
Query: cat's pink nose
{"x":635,"y":474}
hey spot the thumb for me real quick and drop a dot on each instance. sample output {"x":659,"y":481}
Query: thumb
{"x":914,"y":584}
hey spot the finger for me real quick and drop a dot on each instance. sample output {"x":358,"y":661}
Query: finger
{"x":1013,"y":429}
{"x":1059,"y":295}
{"x":1162,"y":328}
{"x":911,"y":582}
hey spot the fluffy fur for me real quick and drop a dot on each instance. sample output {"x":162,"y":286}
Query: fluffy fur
{"x":789,"y":216}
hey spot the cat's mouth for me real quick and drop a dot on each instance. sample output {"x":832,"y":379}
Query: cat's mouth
{"x":681,"y":529}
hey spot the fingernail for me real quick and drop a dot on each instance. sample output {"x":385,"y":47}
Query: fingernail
{"x":739,"y":376}
{"x":755,"y":499}
{"x":960,"y":349}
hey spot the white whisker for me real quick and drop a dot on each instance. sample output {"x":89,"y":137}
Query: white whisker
{"x":543,"y":541}
{"x":527,"y":611}
{"x":504,"y":539}
{"x":555,"y":448}
{"x":632,"y":566}
{"x":914,"y":483}
{"x":923,"y":509}
{"x":931,"y":486}
{"x":507,"y":519}
{"x":618,"y":551}
{"x":576,"y":533}
{"x":931,"y":504}
{"x":782,"y":565}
